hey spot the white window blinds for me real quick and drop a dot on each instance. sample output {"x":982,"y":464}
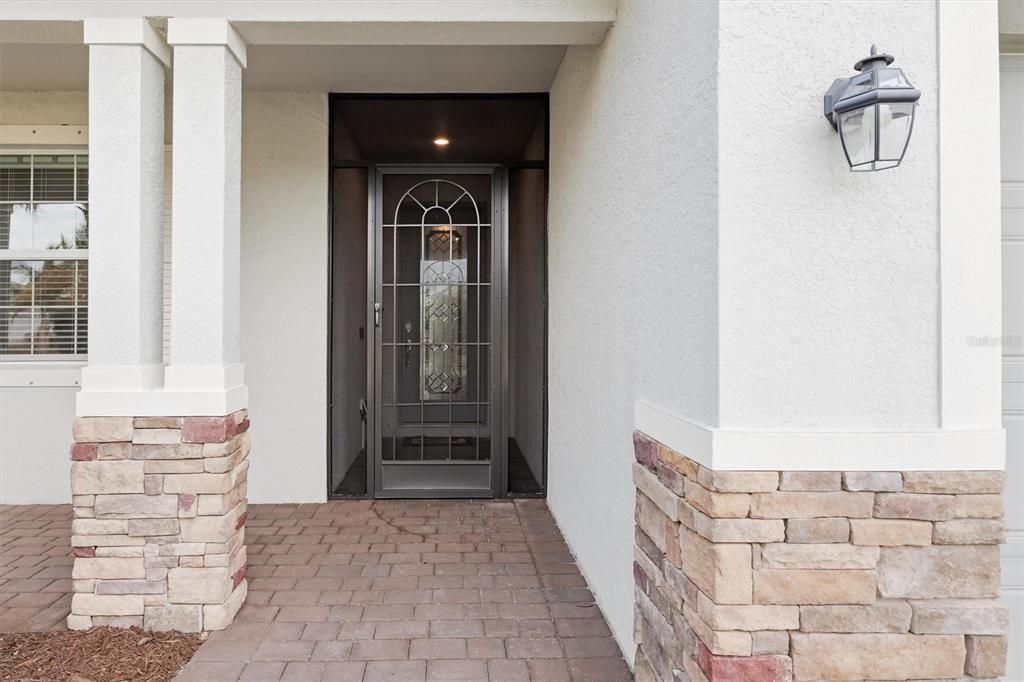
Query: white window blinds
{"x":44,"y":241}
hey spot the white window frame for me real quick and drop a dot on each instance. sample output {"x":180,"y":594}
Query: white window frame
{"x":53,"y":369}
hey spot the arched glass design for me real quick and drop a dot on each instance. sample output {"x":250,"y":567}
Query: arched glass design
{"x":435,"y":340}
{"x":443,"y":275}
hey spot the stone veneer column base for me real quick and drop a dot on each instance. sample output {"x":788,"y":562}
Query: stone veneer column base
{"x":776,"y":575}
{"x":159,"y":523}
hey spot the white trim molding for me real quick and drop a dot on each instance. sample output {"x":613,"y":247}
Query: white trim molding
{"x":40,"y":373}
{"x":206,"y":32}
{"x":127,"y":32}
{"x":153,"y":390}
{"x":33,"y":135}
{"x":751,"y":450}
{"x":161,"y":403}
{"x":207,"y":378}
{"x":316,"y":22}
{"x":969,"y":244}
{"x":122,"y":377}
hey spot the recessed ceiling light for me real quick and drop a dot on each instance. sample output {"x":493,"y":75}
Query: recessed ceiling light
{"x":441,"y":141}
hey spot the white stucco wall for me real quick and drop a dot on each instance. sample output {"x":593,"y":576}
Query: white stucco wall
{"x":35,"y":442}
{"x":713,"y":256}
{"x":824,"y":272}
{"x":632,"y":268}
{"x":284,"y":309}
{"x":284,"y":292}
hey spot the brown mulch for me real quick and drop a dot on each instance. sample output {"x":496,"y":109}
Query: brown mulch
{"x":96,"y":655}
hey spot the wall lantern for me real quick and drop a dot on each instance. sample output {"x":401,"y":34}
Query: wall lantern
{"x":873,"y":112}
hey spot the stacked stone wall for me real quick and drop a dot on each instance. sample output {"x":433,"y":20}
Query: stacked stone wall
{"x":791,"y":575}
{"x":159,"y":521}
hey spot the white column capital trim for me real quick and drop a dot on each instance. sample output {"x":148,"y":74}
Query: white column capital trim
{"x":206,"y":32}
{"x":731,"y":449}
{"x":153,"y":390}
{"x":122,"y":377}
{"x":206,"y":378}
{"x":127,"y":32}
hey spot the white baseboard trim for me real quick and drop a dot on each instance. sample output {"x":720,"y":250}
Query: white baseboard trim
{"x":42,"y":374}
{"x":749,"y":450}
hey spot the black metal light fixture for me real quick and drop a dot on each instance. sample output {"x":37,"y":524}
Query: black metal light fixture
{"x":873,"y":112}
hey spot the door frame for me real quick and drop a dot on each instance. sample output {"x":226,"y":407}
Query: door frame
{"x":334,"y":161}
{"x":498,"y":362}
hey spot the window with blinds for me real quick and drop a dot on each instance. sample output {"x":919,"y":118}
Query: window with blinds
{"x":44,"y":241}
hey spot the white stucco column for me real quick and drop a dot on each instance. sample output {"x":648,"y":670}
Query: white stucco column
{"x":126,"y":138}
{"x":854,"y":312}
{"x":205,"y":359}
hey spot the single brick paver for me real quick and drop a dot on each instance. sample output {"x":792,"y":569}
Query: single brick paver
{"x":395,"y":671}
{"x":365,"y":591}
{"x":262,"y":671}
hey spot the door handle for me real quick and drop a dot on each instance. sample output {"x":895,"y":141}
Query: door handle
{"x":376,"y":314}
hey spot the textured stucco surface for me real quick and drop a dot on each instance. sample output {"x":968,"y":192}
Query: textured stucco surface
{"x":828,"y":279}
{"x":35,"y":436}
{"x":632,"y":267}
{"x":206,"y":194}
{"x":126,"y":168}
{"x":284,"y":292}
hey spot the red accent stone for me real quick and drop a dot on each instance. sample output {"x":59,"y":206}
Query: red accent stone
{"x":238,"y":577}
{"x":84,"y":452}
{"x":84,"y":552}
{"x":241,"y":520}
{"x":207,"y":429}
{"x":672,"y":479}
{"x":641,"y":578}
{"x":645,"y":450}
{"x":744,"y":668}
{"x":185,"y":501}
{"x":214,"y":429}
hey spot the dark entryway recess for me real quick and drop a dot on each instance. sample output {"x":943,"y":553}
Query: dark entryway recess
{"x":438,"y":361}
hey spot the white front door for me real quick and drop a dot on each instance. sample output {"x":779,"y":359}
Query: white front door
{"x":1012,"y":96}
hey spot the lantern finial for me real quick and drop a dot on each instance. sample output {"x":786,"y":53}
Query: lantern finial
{"x":874,"y":60}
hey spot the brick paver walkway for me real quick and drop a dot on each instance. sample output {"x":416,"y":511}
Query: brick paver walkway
{"x":387,"y":590}
{"x":35,"y":567}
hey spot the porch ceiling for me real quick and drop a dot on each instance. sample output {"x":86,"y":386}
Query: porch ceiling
{"x":403,"y":68}
{"x":323,"y":68}
{"x":358,"y":22}
{"x":458,"y":51}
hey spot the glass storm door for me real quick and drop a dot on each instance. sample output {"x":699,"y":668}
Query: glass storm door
{"x":435,"y":317}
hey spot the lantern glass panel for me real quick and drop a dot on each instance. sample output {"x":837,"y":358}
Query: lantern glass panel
{"x":895,"y":121}
{"x":892,"y":78}
{"x":859,"y":84}
{"x":857,"y":130}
